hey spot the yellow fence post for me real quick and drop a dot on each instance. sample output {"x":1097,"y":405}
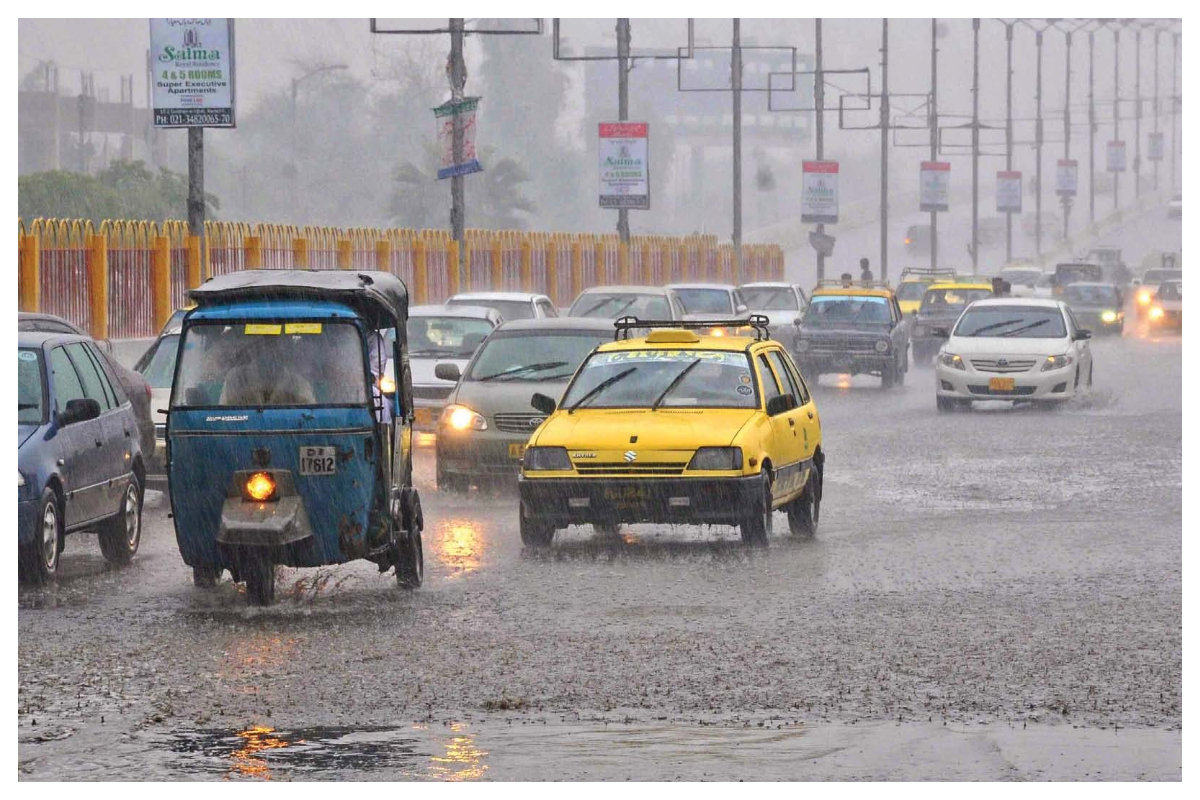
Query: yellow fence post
{"x":452,"y":267}
{"x":497,"y":263}
{"x":526,"y":264}
{"x":29,"y":289}
{"x":623,"y":263}
{"x":647,"y":272}
{"x":345,"y":254}
{"x":552,"y":268}
{"x":300,"y":253}
{"x":97,"y":269}
{"x":253,"y":252}
{"x":576,"y":268}
{"x":420,"y":267}
{"x":160,"y":280}
{"x":598,"y":248}
{"x":383,"y":255}
{"x":193,"y":261}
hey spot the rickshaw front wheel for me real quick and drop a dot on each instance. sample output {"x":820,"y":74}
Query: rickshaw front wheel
{"x":206,"y":577}
{"x":259,"y":572}
{"x":410,"y":564}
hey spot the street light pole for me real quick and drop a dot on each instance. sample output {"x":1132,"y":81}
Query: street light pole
{"x":1091,"y":127}
{"x":1066,"y":198}
{"x":975,"y":151}
{"x":623,"y":106}
{"x":1037,"y":146}
{"x":1174,"y":112}
{"x":933,"y":133}
{"x":736,"y":67}
{"x":819,"y":104}
{"x":884,"y":112}
{"x":1116,"y":110}
{"x":1157,"y":104}
{"x":1137,"y":117}
{"x":1008,"y":132}
{"x":458,"y":203}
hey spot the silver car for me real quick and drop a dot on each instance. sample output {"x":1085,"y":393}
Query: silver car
{"x":614,"y":302}
{"x":511,"y":305}
{"x":780,"y":302}
{"x":488,"y":419}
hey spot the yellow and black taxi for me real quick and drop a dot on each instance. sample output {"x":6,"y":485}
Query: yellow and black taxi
{"x":677,"y":426}
{"x":940,"y":307}
{"x":913,"y":283}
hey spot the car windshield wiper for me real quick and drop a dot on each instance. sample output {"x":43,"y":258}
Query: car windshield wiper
{"x":610,"y":299}
{"x":765,"y":303}
{"x":25,"y":406}
{"x":674,"y":382}
{"x":601,"y":386}
{"x":525,"y":368}
{"x":447,"y":352}
{"x":1015,"y":331}
{"x":993,"y":326}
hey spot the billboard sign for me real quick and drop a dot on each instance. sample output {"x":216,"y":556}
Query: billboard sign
{"x":445,"y":114}
{"x":1116,"y":156}
{"x":935,"y":185}
{"x":1008,"y":192}
{"x":625,"y":165}
{"x":192,"y":72}
{"x":1067,"y":179}
{"x":819,"y":192}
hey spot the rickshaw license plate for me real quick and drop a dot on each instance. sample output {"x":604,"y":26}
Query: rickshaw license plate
{"x":1002,"y":384}
{"x":318,"y":460}
{"x":516,"y":450}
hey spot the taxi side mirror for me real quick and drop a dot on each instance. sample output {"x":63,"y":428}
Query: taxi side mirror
{"x":447,"y":372}
{"x":543,"y":403}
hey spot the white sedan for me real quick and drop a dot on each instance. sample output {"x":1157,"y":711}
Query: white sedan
{"x":1021,"y":349}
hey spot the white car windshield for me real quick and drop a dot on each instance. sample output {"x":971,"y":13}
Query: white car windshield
{"x":1011,"y":322}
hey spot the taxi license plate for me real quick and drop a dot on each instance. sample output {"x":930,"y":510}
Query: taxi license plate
{"x":318,"y":460}
{"x":516,"y":450}
{"x":1002,"y":384}
{"x":627,"y":494}
{"x":424,"y":416}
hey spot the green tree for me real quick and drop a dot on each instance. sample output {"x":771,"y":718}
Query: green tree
{"x":495,"y":197}
{"x":123,"y":190}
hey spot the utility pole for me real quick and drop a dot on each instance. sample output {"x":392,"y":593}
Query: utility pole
{"x":1157,"y":104}
{"x":884,"y":112}
{"x":1175,"y":99}
{"x":1092,"y":127}
{"x":1008,"y":131}
{"x":458,"y":203}
{"x":1137,"y":115}
{"x":819,"y":92}
{"x":195,"y":201}
{"x":1037,"y":147}
{"x":736,"y":75}
{"x":933,"y":133}
{"x":975,"y":151}
{"x":1066,"y":198}
{"x":623,"y":38}
{"x":1116,"y":110}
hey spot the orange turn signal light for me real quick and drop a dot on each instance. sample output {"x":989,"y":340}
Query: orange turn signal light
{"x":260,"y":486}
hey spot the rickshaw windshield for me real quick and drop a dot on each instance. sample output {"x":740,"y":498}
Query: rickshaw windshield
{"x":270,"y":364}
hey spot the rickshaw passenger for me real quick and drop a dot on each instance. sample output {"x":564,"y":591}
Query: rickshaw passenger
{"x":265,"y":378}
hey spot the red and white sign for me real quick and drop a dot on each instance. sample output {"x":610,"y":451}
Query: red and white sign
{"x":1067,"y":179}
{"x":1116,"y":156}
{"x":819,"y":192}
{"x":625,"y":165}
{"x":935,"y":185}
{"x":1008,"y":192}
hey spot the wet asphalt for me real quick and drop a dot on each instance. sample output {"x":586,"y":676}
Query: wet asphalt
{"x":986,"y":590}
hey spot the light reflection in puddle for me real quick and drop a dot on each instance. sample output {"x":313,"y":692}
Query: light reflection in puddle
{"x":460,"y":545}
{"x":463,"y":760}
{"x":256,"y":739}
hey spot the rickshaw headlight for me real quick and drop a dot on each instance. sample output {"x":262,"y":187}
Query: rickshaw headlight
{"x":461,"y":418}
{"x":260,"y":486}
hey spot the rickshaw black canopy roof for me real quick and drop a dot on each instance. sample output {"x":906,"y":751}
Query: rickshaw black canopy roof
{"x":380,"y":297}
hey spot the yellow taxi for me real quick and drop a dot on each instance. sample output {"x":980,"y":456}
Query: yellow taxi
{"x":677,"y":426}
{"x":940,"y":307}
{"x":914,"y":282}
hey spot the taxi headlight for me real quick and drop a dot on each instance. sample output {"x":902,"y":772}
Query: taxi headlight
{"x":546,"y":458}
{"x":1156,"y":312}
{"x":461,"y":418}
{"x":1108,"y":316}
{"x":952,"y":360}
{"x":720,"y":458}
{"x":1058,"y":362}
{"x":882,"y":346}
{"x":260,"y":486}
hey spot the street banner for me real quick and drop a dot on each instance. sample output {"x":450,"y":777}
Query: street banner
{"x":1156,"y":147}
{"x":192,"y":72}
{"x":935,"y":185}
{"x":625,"y":165}
{"x":1116,"y":156}
{"x":445,"y":114}
{"x":819,"y":192}
{"x":1067,"y":178}
{"x":1008,"y":192}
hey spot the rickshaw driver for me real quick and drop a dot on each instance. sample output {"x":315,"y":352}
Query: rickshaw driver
{"x":263,"y":377}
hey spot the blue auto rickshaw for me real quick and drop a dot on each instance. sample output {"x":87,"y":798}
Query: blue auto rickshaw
{"x":287,"y":442}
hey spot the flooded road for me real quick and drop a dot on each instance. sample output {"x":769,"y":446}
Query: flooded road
{"x":995,"y":594}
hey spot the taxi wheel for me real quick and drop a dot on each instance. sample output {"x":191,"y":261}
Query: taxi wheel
{"x":259,"y":572}
{"x":121,"y":535}
{"x":410,"y":570}
{"x":756,"y":528}
{"x":805,"y":511}
{"x":38,"y":561}
{"x":206,"y":577}
{"x":534,"y":533}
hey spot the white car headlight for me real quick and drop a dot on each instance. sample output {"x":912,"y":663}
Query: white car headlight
{"x":461,"y":418}
{"x":1108,"y":316}
{"x":1058,"y":362}
{"x":952,"y":360}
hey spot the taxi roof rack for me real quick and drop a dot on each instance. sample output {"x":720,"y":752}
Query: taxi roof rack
{"x":930,"y":271}
{"x":758,"y":322}
{"x":839,"y":283}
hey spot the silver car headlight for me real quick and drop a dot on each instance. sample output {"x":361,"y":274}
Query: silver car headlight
{"x":717,"y":458}
{"x":539,"y":459}
{"x":461,"y":418}
{"x":952,"y":360}
{"x":882,"y":346}
{"x":1058,"y":362}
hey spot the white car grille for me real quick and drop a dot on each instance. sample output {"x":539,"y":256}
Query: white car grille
{"x":1003,"y":365}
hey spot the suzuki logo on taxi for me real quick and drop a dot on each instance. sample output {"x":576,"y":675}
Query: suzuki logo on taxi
{"x":630,"y":455}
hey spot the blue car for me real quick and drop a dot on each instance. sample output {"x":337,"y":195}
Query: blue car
{"x":79,"y":460}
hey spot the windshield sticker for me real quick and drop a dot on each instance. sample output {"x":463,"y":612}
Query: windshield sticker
{"x":745,"y":378}
{"x":745,"y":390}
{"x":228,"y":418}
{"x":27,"y":355}
{"x":259,"y":329}
{"x":843,"y":298}
{"x":302,"y":327}
{"x":712,"y":356}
